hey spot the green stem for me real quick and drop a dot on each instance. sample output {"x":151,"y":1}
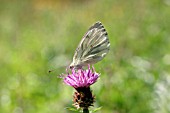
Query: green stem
{"x":85,"y":110}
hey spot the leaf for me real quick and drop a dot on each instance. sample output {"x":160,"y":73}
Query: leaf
{"x":97,"y":109}
{"x":71,"y":109}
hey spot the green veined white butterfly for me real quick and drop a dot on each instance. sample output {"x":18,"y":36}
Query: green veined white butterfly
{"x":92,"y":48}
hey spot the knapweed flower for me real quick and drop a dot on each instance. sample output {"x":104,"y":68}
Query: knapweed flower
{"x":81,"y":80}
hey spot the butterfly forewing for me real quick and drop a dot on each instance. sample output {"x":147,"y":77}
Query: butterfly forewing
{"x":93,"y":47}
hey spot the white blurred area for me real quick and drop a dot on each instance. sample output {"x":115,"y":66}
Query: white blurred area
{"x":161,"y":97}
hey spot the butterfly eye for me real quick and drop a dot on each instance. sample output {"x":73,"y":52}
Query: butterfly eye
{"x":71,"y":67}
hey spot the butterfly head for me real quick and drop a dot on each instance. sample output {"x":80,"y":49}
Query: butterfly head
{"x":73,"y":65}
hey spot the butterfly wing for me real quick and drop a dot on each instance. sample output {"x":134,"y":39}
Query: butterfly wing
{"x":93,"y":47}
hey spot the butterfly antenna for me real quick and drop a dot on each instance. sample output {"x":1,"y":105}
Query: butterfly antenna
{"x":61,"y":76}
{"x":50,"y":71}
{"x":64,"y":75}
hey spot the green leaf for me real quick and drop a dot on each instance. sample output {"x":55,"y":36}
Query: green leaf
{"x":97,"y":109}
{"x":72,"y":109}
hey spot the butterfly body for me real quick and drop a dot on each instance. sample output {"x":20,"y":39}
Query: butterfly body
{"x":92,"y":48}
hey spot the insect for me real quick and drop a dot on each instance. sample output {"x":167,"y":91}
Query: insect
{"x":92,"y":48}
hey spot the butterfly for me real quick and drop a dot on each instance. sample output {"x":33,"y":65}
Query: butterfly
{"x":92,"y":48}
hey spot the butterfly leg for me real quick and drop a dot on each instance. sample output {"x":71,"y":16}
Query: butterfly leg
{"x":93,"y":69}
{"x":89,"y":66}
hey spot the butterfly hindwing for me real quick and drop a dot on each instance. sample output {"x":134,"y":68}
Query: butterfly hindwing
{"x":93,"y":47}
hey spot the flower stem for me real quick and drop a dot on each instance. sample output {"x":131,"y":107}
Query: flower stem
{"x":85,"y":110}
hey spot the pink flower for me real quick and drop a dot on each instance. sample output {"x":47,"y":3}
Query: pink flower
{"x":81,"y":78}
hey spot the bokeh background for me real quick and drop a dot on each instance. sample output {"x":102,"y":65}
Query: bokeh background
{"x":39,"y":35}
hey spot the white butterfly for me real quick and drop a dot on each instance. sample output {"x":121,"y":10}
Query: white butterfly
{"x":92,"y":48}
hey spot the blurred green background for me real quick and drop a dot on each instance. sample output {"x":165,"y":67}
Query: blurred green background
{"x":38,"y":35}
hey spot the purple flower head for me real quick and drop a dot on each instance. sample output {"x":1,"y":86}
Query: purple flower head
{"x":81,"y":78}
